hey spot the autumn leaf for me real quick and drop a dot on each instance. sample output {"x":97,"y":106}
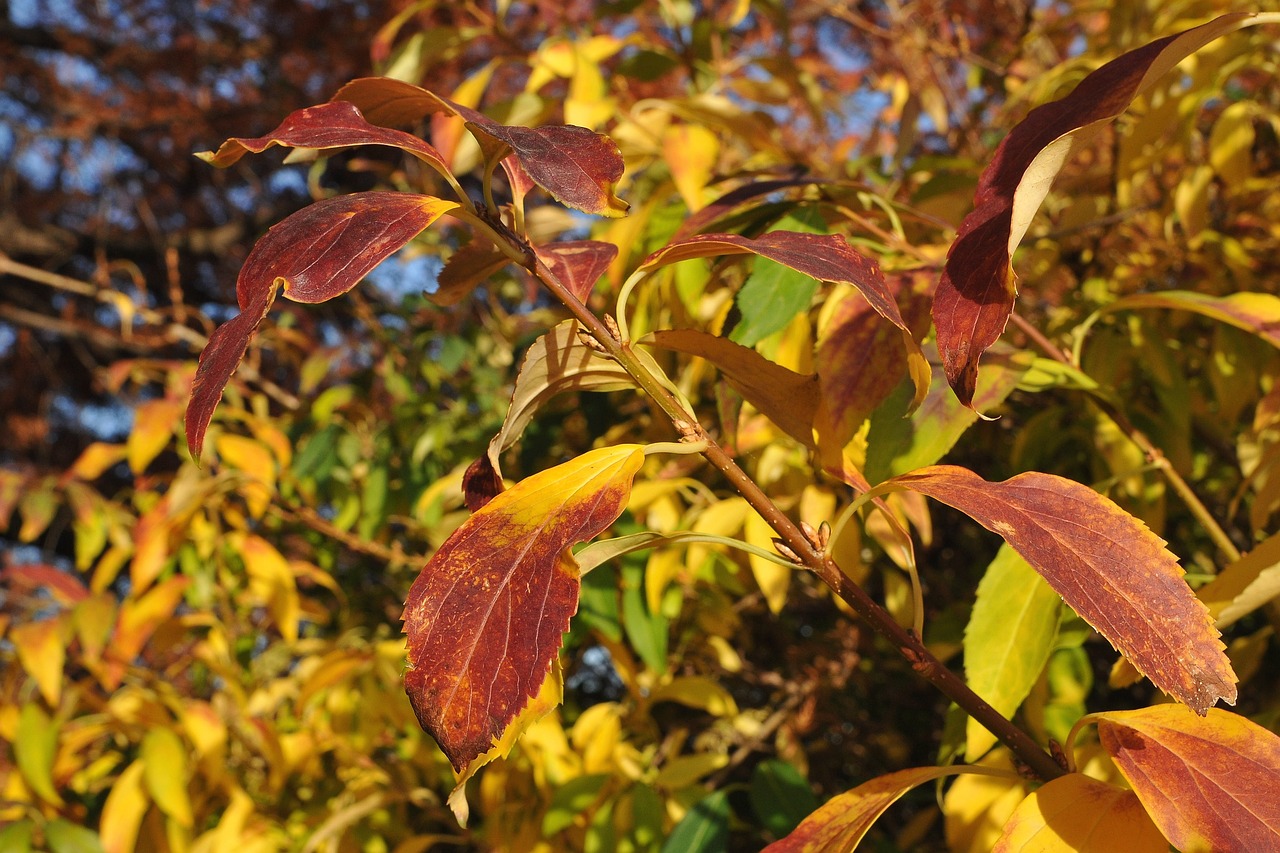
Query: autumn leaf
{"x":1077,"y":814}
{"x":485,"y":617}
{"x":316,"y":254}
{"x":841,"y":822}
{"x":578,"y":263}
{"x":1209,"y":783}
{"x":1245,"y":585}
{"x":337,"y":124}
{"x":787,"y":398}
{"x":555,"y":363}
{"x":976,"y":294}
{"x":1258,"y":313}
{"x":473,"y":264}
{"x":1106,"y":565}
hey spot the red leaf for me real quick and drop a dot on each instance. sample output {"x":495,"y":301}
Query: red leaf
{"x":1209,"y":784}
{"x":485,"y":616}
{"x":977,"y":291}
{"x":1106,"y":565}
{"x":577,"y":166}
{"x":316,"y":254}
{"x":63,"y":586}
{"x":337,"y":124}
{"x":578,"y":263}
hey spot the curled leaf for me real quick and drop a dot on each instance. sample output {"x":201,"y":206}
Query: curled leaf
{"x":976,"y":294}
{"x":485,"y":617}
{"x":1106,"y":565}
{"x":316,"y":254}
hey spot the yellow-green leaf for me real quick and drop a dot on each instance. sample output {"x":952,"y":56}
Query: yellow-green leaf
{"x":164,"y":773}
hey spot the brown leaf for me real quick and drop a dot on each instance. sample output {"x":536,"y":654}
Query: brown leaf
{"x":787,"y":398}
{"x":578,"y":263}
{"x":466,"y":269}
{"x":976,"y":294}
{"x":1209,"y":784}
{"x":386,"y":101}
{"x":485,"y":616}
{"x":1106,"y":565}
{"x":316,"y":254}
{"x":337,"y":124}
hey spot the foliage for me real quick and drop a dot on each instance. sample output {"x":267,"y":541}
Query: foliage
{"x":216,"y":662}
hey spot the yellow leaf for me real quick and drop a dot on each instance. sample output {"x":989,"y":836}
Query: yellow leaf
{"x":697,"y":691}
{"x":688,"y":769}
{"x":96,"y":459}
{"x":122,"y":813}
{"x":164,"y":773}
{"x":1076,"y":814}
{"x":691,"y":152}
{"x":35,"y":747}
{"x":774,"y":580}
{"x":977,"y":807}
{"x":42,"y":650}
{"x":723,"y":518}
{"x":151,"y":546}
{"x":596,"y":734}
{"x":271,"y":581}
{"x":153,"y":429}
{"x":258,"y":465}
{"x":662,"y":568}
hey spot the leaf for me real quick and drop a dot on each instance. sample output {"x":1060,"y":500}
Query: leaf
{"x":150,"y":546}
{"x":63,"y":586}
{"x":1106,"y":565}
{"x":140,"y":617}
{"x":62,"y":836}
{"x":1258,"y":313}
{"x":1245,"y":585}
{"x":164,"y":773}
{"x":42,"y":651}
{"x":577,"y":166}
{"x":123,"y":811}
{"x":774,"y":293}
{"x":16,"y":837}
{"x":555,"y":363}
{"x":690,"y":152}
{"x":578,"y":263}
{"x":976,"y":294}
{"x":337,"y":124}
{"x":35,"y":745}
{"x":153,"y":423}
{"x":825,"y":257}
{"x":318,"y":253}
{"x":843,"y":820}
{"x":696,"y":691}
{"x":705,"y":829}
{"x":385,"y":101}
{"x":1008,"y":639}
{"x":1076,"y":814}
{"x":485,"y":616}
{"x":98,"y":458}
{"x":1209,"y":784}
{"x":787,"y":398}
{"x":780,"y":796}
{"x":271,"y":582}
{"x":470,"y":266}
{"x":570,"y":800}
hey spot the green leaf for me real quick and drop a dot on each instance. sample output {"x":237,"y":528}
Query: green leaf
{"x":773,"y":294}
{"x":646,"y":631}
{"x":65,"y":837}
{"x":35,"y":746}
{"x":598,"y":602}
{"x":780,"y":796}
{"x":16,"y":837}
{"x":1010,"y":636}
{"x":571,"y":800}
{"x":705,"y":829}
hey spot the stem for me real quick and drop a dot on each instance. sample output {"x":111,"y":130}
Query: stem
{"x":908,"y":644}
{"x":1153,"y":453}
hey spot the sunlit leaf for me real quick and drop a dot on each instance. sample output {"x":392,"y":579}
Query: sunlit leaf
{"x":485,"y":616}
{"x":35,"y":746}
{"x":555,"y":363}
{"x":63,"y":586}
{"x":63,"y":836}
{"x":122,"y":813}
{"x":690,"y":152}
{"x":1258,"y":313}
{"x":841,"y":823}
{"x":1209,"y":783}
{"x":337,"y":124}
{"x":696,"y":691}
{"x":98,"y":458}
{"x":42,"y":651}
{"x":316,"y":254}
{"x":153,"y":423}
{"x":976,"y":294}
{"x":150,"y":546}
{"x":1076,"y":814}
{"x":271,"y":582}
{"x":578,"y":263}
{"x":1106,"y":565}
{"x":1245,"y":585}
{"x":1008,"y":639}
{"x":164,"y":773}
{"x":140,"y":617}
{"x":787,"y":398}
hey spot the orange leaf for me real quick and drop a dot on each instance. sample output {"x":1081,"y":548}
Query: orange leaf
{"x":787,"y":398}
{"x":1209,"y":784}
{"x":96,"y":459}
{"x":1076,"y":814}
{"x":485,"y":616}
{"x":318,"y":253}
{"x":151,"y":546}
{"x":467,"y":268}
{"x":140,"y":617}
{"x":1106,"y":565}
{"x":153,"y":423}
{"x":42,"y":650}
{"x":976,"y":294}
{"x":842,"y":821}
